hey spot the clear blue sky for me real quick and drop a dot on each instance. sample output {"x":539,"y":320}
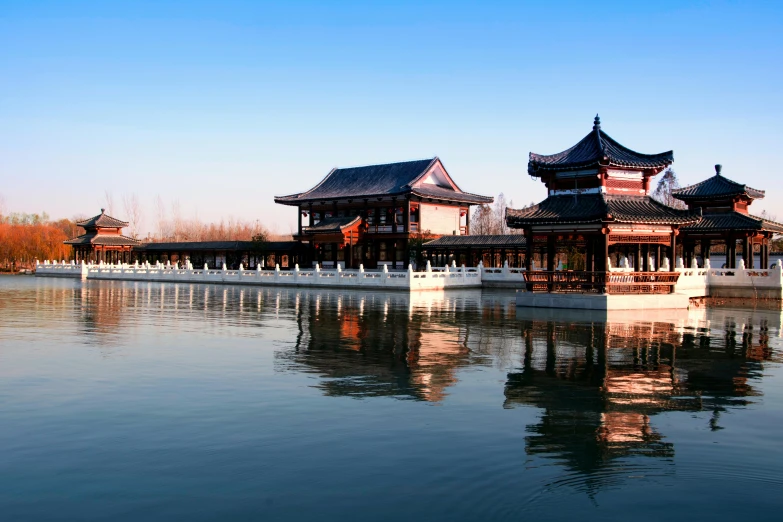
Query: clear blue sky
{"x":222,"y":105}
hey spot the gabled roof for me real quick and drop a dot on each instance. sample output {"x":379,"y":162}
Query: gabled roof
{"x":332,"y":225}
{"x":491,"y":240}
{"x":730,"y":221}
{"x":716,"y":187}
{"x":390,"y":179}
{"x":95,"y":238}
{"x":597,"y":148}
{"x":102,"y":220}
{"x":599,"y":208}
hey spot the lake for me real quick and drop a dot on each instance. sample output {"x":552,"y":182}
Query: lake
{"x":145,"y":401}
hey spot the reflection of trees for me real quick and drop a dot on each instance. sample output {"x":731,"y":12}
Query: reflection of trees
{"x":599,"y":384}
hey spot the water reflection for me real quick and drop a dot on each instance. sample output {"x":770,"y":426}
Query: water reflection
{"x":597,"y":382}
{"x":600,"y":382}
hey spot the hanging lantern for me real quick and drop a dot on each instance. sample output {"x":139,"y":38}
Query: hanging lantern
{"x":462,"y":213}
{"x":304,"y":213}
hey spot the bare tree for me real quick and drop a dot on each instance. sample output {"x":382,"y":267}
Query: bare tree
{"x":483,"y":221}
{"x":132,"y":213}
{"x":108,"y":202}
{"x":500,"y":214}
{"x":160,"y":217}
{"x":666,"y":185}
{"x":176,"y":219}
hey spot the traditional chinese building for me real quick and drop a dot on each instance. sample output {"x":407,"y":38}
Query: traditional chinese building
{"x":599,"y":212}
{"x":370,"y":215}
{"x":102,"y":240}
{"x":726,"y":221}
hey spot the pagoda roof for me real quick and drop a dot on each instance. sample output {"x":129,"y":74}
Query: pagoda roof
{"x":599,"y":208}
{"x":716,"y":187}
{"x":731,"y":221}
{"x":332,"y":225}
{"x":597,"y":149}
{"x":95,"y":238}
{"x":102,"y":220}
{"x":390,"y":179}
{"x":479,"y":241}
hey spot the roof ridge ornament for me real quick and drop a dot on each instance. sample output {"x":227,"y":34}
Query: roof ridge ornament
{"x":103,"y":210}
{"x":597,"y":123}
{"x":718,"y":169}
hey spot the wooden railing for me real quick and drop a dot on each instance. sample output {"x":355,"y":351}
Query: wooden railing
{"x":572,"y":281}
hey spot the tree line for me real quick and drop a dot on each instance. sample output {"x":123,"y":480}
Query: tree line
{"x":27,"y":237}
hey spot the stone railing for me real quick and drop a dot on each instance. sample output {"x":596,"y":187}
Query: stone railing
{"x":59,"y":269}
{"x":502,"y":277}
{"x":430,"y":279}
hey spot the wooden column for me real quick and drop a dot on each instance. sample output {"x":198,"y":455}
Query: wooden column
{"x":590,"y":240}
{"x":529,"y":255}
{"x":731,"y":256}
{"x":645,"y":258}
{"x":406,"y":215}
{"x":747,"y":249}
{"x":705,"y":249}
{"x":673,"y":247}
{"x":394,"y":220}
{"x":299,"y":219}
{"x":550,"y":252}
{"x":311,"y":214}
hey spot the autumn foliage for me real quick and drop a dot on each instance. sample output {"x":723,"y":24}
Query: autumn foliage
{"x":27,"y":237}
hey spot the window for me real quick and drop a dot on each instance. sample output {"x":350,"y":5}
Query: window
{"x":371,"y":216}
{"x":398,"y":215}
{"x":382,"y":255}
{"x":316,"y":218}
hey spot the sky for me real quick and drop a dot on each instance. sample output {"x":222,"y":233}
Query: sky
{"x":216,"y":107}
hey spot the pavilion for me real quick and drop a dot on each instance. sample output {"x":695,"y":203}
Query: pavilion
{"x":599,"y":215}
{"x":102,"y":240}
{"x":724,"y":204}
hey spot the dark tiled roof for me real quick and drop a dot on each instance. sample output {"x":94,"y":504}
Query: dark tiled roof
{"x":733,"y":221}
{"x":193,"y":246}
{"x":499,"y":240}
{"x":597,"y":148}
{"x":716,"y":187}
{"x":331,"y":225}
{"x":93,"y":238}
{"x":102,"y":220}
{"x":390,"y":179}
{"x":443,"y":193}
{"x":597,"y":208}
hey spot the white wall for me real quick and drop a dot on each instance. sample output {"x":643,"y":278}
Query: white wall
{"x":439,"y":219}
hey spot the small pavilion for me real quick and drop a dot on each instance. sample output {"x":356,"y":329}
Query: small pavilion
{"x":102,"y":240}
{"x":725,"y":220}
{"x":598,"y":216}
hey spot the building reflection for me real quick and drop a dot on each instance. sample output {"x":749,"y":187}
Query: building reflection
{"x":600,"y":382}
{"x":370,"y":345}
{"x":598,"y":385}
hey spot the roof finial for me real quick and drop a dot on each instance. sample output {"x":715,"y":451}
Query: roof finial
{"x":718,"y":168}
{"x":103,"y":210}
{"x":596,"y":123}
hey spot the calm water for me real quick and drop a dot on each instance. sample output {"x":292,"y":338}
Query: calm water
{"x":136,"y":401}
